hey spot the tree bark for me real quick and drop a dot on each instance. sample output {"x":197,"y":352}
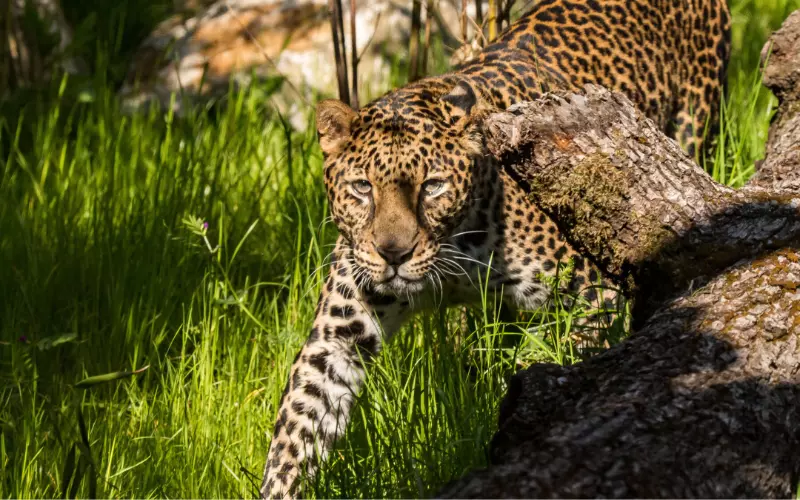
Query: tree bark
{"x":630,"y":199}
{"x":703,"y":400}
{"x":25,"y":59}
{"x":782,"y":77}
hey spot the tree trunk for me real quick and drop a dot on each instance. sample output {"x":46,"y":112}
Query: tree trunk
{"x":26,"y":58}
{"x":703,"y":399}
{"x":782,"y":76}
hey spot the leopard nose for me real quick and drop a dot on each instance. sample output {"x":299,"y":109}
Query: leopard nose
{"x":393,"y":255}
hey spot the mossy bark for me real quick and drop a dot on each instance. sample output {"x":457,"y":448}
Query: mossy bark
{"x":703,"y":400}
{"x":629,"y":198}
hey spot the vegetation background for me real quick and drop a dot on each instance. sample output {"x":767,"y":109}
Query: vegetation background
{"x":190,"y":251}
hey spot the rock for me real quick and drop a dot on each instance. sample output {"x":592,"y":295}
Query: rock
{"x":196,"y":54}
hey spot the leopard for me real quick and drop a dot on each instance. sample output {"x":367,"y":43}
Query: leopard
{"x":424,"y":213}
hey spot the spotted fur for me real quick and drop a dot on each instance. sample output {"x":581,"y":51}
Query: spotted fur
{"x":424,"y":215}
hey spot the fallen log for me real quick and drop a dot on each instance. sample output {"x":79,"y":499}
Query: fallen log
{"x":630,"y":198}
{"x":703,"y":400}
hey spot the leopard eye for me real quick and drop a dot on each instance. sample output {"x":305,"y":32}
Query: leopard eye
{"x":433,"y":187}
{"x":361,"y":187}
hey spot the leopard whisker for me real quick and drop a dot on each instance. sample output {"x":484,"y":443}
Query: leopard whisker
{"x":436,"y":270}
{"x":441,"y":287}
{"x":462,"y":233}
{"x":450,"y":262}
{"x":325,"y":263}
{"x":362,"y":276}
{"x":464,"y":272}
{"x":464,"y":257}
{"x":323,"y":222}
{"x":430,"y":277}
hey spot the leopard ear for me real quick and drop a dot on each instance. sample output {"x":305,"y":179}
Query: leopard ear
{"x":334,"y":122}
{"x":458,"y":104}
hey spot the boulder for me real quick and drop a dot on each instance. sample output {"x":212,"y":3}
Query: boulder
{"x":198,"y":52}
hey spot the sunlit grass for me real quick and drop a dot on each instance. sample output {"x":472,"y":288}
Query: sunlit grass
{"x":105,"y":270}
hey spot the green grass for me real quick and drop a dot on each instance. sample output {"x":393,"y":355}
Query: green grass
{"x":104,"y":271}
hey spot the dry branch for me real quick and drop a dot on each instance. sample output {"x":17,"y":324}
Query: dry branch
{"x":426,"y":46}
{"x":413,"y":48}
{"x":491,"y":18}
{"x":704,"y":399}
{"x":478,"y":13}
{"x":354,"y":56}
{"x":339,"y":52}
{"x":504,"y":18}
{"x":463,"y":20}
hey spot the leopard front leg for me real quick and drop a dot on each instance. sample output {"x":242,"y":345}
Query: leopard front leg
{"x":327,"y":374}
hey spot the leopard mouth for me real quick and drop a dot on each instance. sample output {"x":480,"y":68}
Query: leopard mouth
{"x":398,"y":285}
{"x":391,"y":280}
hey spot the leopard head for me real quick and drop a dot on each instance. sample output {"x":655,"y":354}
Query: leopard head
{"x":400,"y":176}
